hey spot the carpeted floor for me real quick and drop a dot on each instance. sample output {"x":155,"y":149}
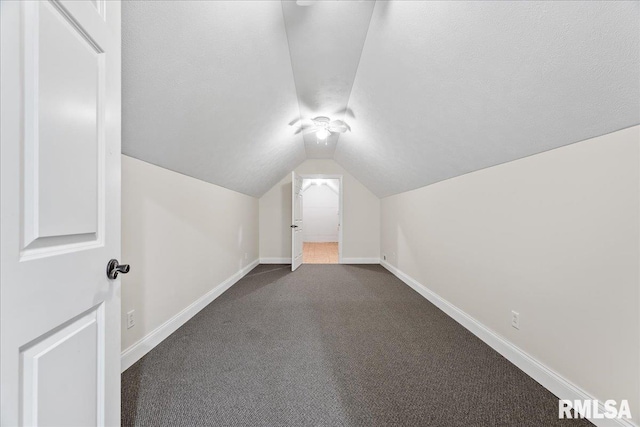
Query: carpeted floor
{"x":329,"y":345}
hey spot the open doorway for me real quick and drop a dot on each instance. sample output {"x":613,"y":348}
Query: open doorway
{"x":322,"y":213}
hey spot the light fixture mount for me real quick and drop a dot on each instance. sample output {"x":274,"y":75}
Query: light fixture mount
{"x":322,"y":126}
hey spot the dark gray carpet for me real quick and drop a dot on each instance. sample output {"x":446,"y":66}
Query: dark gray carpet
{"x":330,"y":345}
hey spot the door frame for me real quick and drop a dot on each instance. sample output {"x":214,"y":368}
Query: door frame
{"x":340,"y":204}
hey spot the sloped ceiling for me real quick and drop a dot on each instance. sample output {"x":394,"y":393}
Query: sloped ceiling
{"x":207,"y":91}
{"x":438,"y":89}
{"x":325,"y":41}
{"x":446,"y":88}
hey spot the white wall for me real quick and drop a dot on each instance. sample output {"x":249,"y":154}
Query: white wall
{"x":554,"y":237}
{"x":182,"y":237}
{"x":320,"y":212}
{"x":361,"y":217}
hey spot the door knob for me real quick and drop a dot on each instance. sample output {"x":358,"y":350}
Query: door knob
{"x":113,"y":268}
{"x":294,"y":226}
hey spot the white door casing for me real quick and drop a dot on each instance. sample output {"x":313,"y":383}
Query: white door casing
{"x":60,"y":212}
{"x":296,"y":221}
{"x":302,"y":177}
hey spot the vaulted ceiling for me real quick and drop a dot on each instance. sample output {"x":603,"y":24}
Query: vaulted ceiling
{"x":432,"y":90}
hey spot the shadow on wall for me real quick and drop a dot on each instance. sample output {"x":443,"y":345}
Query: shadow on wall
{"x":132,"y":284}
{"x":241,"y":251}
{"x":389,"y":241}
{"x":169,"y":219}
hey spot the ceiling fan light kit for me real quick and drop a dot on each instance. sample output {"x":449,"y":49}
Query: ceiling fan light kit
{"x":322,"y":126}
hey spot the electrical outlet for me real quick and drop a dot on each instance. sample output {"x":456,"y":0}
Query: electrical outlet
{"x":515,"y":319}
{"x":384,"y":257}
{"x":131,"y":319}
{"x":246,"y":255}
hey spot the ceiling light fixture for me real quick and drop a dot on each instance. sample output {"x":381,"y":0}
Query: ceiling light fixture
{"x":322,"y":126}
{"x":322,"y":134}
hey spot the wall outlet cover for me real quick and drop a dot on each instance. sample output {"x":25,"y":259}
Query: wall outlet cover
{"x":515,"y":319}
{"x":131,"y":320}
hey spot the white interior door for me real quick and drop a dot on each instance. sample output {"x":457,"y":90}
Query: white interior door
{"x":60,"y":212}
{"x":296,"y":215}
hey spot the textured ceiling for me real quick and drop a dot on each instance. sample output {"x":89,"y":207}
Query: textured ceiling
{"x":208,"y":91}
{"x":325,"y":41}
{"x":441,"y":88}
{"x":446,"y":88}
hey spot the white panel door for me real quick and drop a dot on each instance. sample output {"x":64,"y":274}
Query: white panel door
{"x":60,"y":212}
{"x":296,"y":216}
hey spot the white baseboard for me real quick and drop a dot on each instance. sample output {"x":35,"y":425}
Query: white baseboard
{"x":134,"y":353}
{"x":360,"y":261}
{"x":548,"y":378}
{"x":275,"y":260}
